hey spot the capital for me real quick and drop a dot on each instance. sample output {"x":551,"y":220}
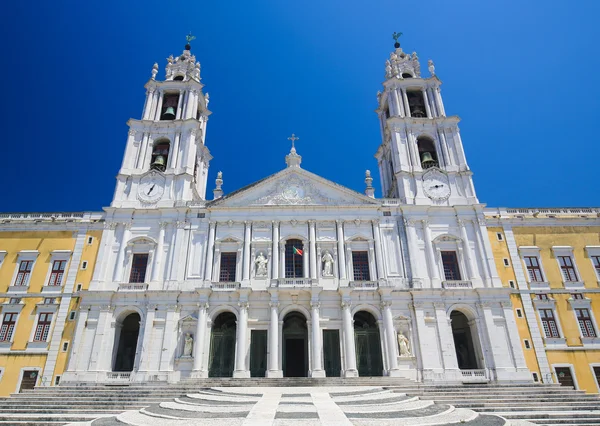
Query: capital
{"x":274,"y":305}
{"x":315,"y":304}
{"x":346,"y":304}
{"x":386,"y":304}
{"x":243,"y":305}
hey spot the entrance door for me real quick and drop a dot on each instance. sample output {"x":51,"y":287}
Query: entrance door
{"x":295,"y":345}
{"x":368,"y":345}
{"x":331,"y":353}
{"x":222,"y":346}
{"x":127,"y":345}
{"x":565,"y":378}
{"x":28,"y":379}
{"x":463,"y":342}
{"x":258,"y":353}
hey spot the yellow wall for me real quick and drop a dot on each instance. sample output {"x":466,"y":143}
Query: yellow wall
{"x":45,"y":242}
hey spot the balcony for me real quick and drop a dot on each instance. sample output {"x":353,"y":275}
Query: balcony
{"x":364,"y":285}
{"x":456,"y":284}
{"x":133,"y":287}
{"x":225,"y":286}
{"x":292,"y":282}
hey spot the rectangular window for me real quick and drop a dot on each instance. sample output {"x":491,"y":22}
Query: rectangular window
{"x":567,"y":268}
{"x":519,"y":313}
{"x":72,"y":315}
{"x":596,"y":263}
{"x":24,"y":272}
{"x":139,"y":265}
{"x":79,"y":286}
{"x":575,"y":296}
{"x":549,"y":323}
{"x":360,"y":262}
{"x":49,"y":301}
{"x":65,"y":346}
{"x":450,"y":262}
{"x":585,"y":322}
{"x":228,"y":266}
{"x":14,"y":300}
{"x":8,"y":326}
{"x":506,"y":262}
{"x":542,"y":297}
{"x":533,"y":269}
{"x":535,"y":377}
{"x":90,"y":240}
{"x":511,"y":283}
{"x":56,"y":380}
{"x":499,"y":236}
{"x":84,"y":264}
{"x":527,"y":344}
{"x":43,"y":327}
{"x":58,"y":270}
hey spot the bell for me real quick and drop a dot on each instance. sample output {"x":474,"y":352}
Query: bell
{"x":169,"y":114}
{"x":427,"y":160}
{"x":159,"y":163}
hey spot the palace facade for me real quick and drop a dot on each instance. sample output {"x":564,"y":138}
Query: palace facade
{"x":295,"y":275}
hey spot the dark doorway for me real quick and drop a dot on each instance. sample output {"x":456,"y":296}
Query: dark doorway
{"x":258,"y":353}
{"x":295,"y":345}
{"x":127,"y":343}
{"x":564,"y":376}
{"x":368,"y":345}
{"x":28,"y":380}
{"x":463,"y":342}
{"x":331,"y":353}
{"x":222,"y":346}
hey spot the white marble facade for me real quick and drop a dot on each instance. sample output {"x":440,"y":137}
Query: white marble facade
{"x":404,"y":286}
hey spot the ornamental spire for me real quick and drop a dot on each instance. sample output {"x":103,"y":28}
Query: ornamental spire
{"x":293,"y":159}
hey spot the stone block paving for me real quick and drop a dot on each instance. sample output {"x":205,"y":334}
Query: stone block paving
{"x":301,"y":406}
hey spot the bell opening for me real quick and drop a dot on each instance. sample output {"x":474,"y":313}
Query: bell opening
{"x":169,"y":106}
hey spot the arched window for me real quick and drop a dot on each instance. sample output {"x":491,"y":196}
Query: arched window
{"x":178,"y":78}
{"x":406,"y":75}
{"x":416,"y":103}
{"x":427,"y":152}
{"x":160,"y":155}
{"x":294,"y":259}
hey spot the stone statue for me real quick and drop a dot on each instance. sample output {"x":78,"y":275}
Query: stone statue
{"x":327,"y":260}
{"x":189,"y":345}
{"x":403,"y":345}
{"x":261,"y":265}
{"x":431,"y":67}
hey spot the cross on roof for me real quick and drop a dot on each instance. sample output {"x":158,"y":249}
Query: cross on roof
{"x":293,"y":138}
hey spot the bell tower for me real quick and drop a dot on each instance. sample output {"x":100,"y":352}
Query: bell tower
{"x":421,"y":157}
{"x":166,"y":159}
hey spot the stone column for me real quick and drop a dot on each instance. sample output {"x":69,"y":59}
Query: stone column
{"x":209,"y":252}
{"x":282,"y":261}
{"x":146,"y":339}
{"x":79,"y":338}
{"x":313,"y":249}
{"x":200,"y":337}
{"x":148,"y":103}
{"x":439,"y":99}
{"x":349,"y":344}
{"x":274,"y":370}
{"x":378,"y":250}
{"x":317,"y":345}
{"x":406,"y":104}
{"x":429,"y":251}
{"x":246,"y":264}
{"x":444,"y":144}
{"x":179,"y":105}
{"x":305,"y":262}
{"x":158,"y":255}
{"x":467,"y":248}
{"x":401,"y":110}
{"x":426,"y":101}
{"x":159,"y":105}
{"x":341,"y":250}
{"x":175,"y":151}
{"x":120,"y":264}
{"x":242,"y":326}
{"x":275,"y":252}
{"x":448,"y":352}
{"x":388,"y":325}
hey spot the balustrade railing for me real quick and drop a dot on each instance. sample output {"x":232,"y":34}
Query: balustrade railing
{"x":292,"y":282}
{"x":225,"y":286}
{"x":133,"y":287}
{"x":364,"y":285}
{"x":451,"y":284}
{"x":119,"y":376}
{"x":479,"y":375}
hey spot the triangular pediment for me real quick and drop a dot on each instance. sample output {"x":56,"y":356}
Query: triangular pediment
{"x":294,"y":187}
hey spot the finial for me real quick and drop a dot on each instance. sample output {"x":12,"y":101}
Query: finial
{"x":154,"y":71}
{"x":218,"y":192}
{"x":189,"y":38}
{"x":396,"y":36}
{"x":293,"y":138}
{"x":431,"y":67}
{"x":369,"y":190}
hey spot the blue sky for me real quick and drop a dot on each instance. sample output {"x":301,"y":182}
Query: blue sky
{"x":520,"y":74}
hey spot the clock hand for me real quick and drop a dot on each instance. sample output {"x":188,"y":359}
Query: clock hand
{"x":151,"y":189}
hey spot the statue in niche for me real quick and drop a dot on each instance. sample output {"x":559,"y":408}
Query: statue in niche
{"x":261,"y":265}
{"x":327,"y":260}
{"x":403,"y":345}
{"x":188,"y":346}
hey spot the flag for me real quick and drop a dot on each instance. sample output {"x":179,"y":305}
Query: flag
{"x":297,"y":251}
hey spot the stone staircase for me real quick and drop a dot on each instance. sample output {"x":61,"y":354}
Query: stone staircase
{"x":540,"y":404}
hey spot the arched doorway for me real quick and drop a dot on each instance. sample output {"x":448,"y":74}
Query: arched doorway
{"x":368,"y":345}
{"x":222,"y":346}
{"x":295,"y":345}
{"x":127,"y":343}
{"x":466,"y":351}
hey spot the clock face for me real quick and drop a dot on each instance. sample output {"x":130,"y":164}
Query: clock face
{"x":151,"y":188}
{"x":436,"y":186}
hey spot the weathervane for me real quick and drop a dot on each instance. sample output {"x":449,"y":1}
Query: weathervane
{"x":293,"y":138}
{"x":396,"y":36}
{"x":189,"y":38}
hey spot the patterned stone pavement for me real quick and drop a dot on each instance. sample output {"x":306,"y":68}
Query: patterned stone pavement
{"x":301,"y":406}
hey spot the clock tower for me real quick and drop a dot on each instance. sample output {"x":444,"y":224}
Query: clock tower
{"x":421,"y":159}
{"x":166,"y":159}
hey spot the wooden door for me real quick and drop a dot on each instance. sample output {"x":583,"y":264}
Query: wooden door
{"x":331,"y":353}
{"x":368,"y":352}
{"x":258,"y":353}
{"x":565,"y":378}
{"x":28,"y":380}
{"x":222,"y":353}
